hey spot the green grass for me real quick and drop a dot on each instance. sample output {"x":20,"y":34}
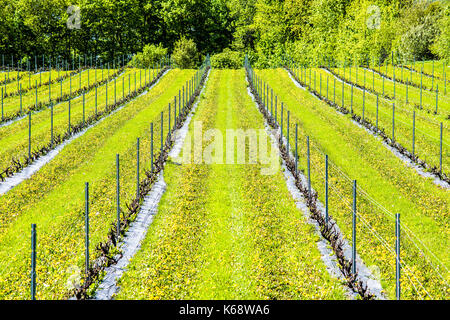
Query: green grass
{"x":416,"y":77}
{"x":53,"y":198}
{"x":427,"y":131}
{"x":373,"y":81}
{"x":226,"y":231}
{"x":440,"y":67}
{"x":14,"y":137}
{"x":89,"y":77}
{"x":424,"y":207}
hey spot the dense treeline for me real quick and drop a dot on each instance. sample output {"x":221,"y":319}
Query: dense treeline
{"x":265,"y":29}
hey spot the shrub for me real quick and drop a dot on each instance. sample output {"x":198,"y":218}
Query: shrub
{"x":227,"y":59}
{"x":185,"y":54}
{"x":149,"y":56}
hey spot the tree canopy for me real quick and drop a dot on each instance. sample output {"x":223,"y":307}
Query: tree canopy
{"x":264,"y":29}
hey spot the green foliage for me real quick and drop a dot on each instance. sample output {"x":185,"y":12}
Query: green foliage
{"x":151,"y":55}
{"x":441,"y":47}
{"x":185,"y":54}
{"x":227,"y":59}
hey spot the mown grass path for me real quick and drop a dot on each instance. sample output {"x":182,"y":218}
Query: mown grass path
{"x":226,"y":231}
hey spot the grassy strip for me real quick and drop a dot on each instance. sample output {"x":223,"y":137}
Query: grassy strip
{"x":414,"y":79}
{"x":14,"y":145}
{"x":227,"y":231}
{"x":404,"y":97}
{"x":14,"y":138}
{"x":7,"y":79}
{"x":32,"y":81}
{"x":384,"y":179}
{"x":53,"y":198}
{"x":62,"y":92}
{"x":363,"y":109}
{"x":440,"y":68}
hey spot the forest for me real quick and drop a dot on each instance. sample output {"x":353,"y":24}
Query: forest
{"x":265,"y":30}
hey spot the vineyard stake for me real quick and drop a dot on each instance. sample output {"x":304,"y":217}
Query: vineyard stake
{"x":414,"y":134}
{"x":342,"y":94}
{"x":397,"y":251}
{"x":151,"y":145}
{"x":282,"y":112}
{"x":86,"y":225}
{"x":137,"y":168}
{"x":354,"y":229}
{"x":334,"y":90}
{"x":29,"y":134}
{"x":106,"y":97}
{"x":33,"y":261}
{"x":118,"y":196}
{"x":3,"y":116}
{"x":296,"y":152}
{"x":364,"y":103}
{"x":271,"y":102}
{"x":84,"y":109}
{"x":351,"y":101}
{"x":162,"y":131}
{"x":309,"y":166}
{"x":36,"y":95}
{"x":276,"y":106}
{"x":69,"y":115}
{"x":393,"y":122}
{"x":440,"y":151}
{"x":51,"y":124}
{"x":377,"y":116}
{"x":326,"y":189}
{"x":421,"y":74}
{"x":327,"y":87}
{"x":20,"y":94}
{"x":115,"y":96}
{"x":96,"y":100}
{"x":175,"y":112}
{"x":168,"y":124}
{"x":287,"y":130}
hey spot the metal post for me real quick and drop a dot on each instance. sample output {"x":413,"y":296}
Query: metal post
{"x":137,"y":169}
{"x":162,"y":132}
{"x":414,"y":134}
{"x":354,"y":229}
{"x":51,"y":124}
{"x":118,"y":196}
{"x":296,"y":149}
{"x":29,"y":134}
{"x":440,"y":151}
{"x":397,"y":251}
{"x":86,"y":224}
{"x":377,"y":116}
{"x":84,"y":109}
{"x":393,"y":122}
{"x":151,"y":145}
{"x":69,"y":116}
{"x":287,"y":129}
{"x":33,"y":261}
{"x":309,"y":166}
{"x":326,"y":189}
